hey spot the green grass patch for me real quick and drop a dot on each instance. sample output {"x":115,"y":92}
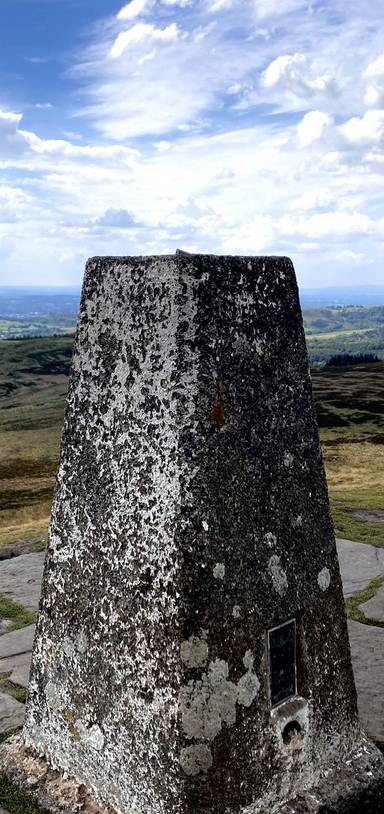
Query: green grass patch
{"x":353,"y":528}
{"x":19,"y":694}
{"x":11,"y":798}
{"x":7,"y":686}
{"x":19,"y":616}
{"x":16,"y":801}
{"x":8,"y":734}
{"x":353,"y":604}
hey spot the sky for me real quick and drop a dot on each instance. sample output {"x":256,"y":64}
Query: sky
{"x":224,"y":126}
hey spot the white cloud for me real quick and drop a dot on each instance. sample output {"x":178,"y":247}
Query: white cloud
{"x":277,"y":8}
{"x":116,"y":219}
{"x":219,"y":5}
{"x":181,"y":3}
{"x":8,"y":116}
{"x":375,"y":68}
{"x":313,"y":126}
{"x":43,"y":105}
{"x":293,"y":72}
{"x":216,"y":133}
{"x":367,"y":129}
{"x":134,"y":9}
{"x":374,"y":92}
{"x":142,"y":32}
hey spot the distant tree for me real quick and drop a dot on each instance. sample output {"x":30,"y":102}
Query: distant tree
{"x":343,"y":359}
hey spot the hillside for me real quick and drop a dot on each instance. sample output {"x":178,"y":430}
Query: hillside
{"x":352,"y":329}
{"x":33,"y":384}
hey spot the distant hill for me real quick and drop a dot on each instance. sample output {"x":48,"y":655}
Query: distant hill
{"x":352,"y":330}
{"x":34,"y":311}
{"x":366,"y":295}
{"x":331,"y":328}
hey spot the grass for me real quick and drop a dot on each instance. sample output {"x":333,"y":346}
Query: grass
{"x":16,"y":801}
{"x":7,"y":686}
{"x":11,"y":798}
{"x":33,"y":386}
{"x":349,"y":403}
{"x":19,"y":616}
{"x":353,"y":604}
{"x":8,"y":734}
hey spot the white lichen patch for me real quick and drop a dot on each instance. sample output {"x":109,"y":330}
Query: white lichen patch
{"x":297,"y":522}
{"x":81,"y":643}
{"x":208,"y":703}
{"x":219,"y":570}
{"x":279,"y":577}
{"x":324,"y":579}
{"x":52,"y":697}
{"x":248,"y":660}
{"x":194,"y":651}
{"x":247,"y":689}
{"x":236,"y":612}
{"x":270,"y":539}
{"x":288,"y":459}
{"x":92,"y":736}
{"x":196,"y":759}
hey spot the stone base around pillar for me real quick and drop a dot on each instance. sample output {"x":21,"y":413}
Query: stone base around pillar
{"x":357,"y":787}
{"x":55,"y":792}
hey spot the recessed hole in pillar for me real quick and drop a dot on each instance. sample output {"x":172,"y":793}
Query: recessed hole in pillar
{"x":292,"y":732}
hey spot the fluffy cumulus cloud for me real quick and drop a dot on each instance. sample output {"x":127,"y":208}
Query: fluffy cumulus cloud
{"x":213,"y":125}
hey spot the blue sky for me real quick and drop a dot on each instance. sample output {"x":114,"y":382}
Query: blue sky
{"x":228,"y":126}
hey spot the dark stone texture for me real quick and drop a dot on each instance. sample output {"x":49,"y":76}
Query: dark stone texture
{"x":190,"y":517}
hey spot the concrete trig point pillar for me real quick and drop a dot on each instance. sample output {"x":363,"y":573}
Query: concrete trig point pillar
{"x":191,"y":653}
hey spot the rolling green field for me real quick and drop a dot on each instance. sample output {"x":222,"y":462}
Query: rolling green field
{"x":354,"y":330}
{"x":33,"y":385}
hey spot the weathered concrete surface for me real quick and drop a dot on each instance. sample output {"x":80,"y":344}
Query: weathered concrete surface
{"x":374,"y":608}
{"x":190,"y":517}
{"x":367,"y":647}
{"x":20,"y":579}
{"x":11,"y":713}
{"x":360,"y":563}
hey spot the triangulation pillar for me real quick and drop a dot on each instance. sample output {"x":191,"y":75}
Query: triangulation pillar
{"x":191,"y":655}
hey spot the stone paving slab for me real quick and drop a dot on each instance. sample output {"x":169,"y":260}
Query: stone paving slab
{"x":11,"y":712}
{"x":360,"y":563}
{"x":367,"y":648}
{"x":13,"y":644}
{"x":19,"y":668}
{"x":374,"y":608}
{"x":20,"y":579}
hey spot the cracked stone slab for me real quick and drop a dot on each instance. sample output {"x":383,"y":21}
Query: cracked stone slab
{"x":374,"y":608}
{"x":19,"y":668}
{"x":20,"y":579}
{"x":360,"y":563}
{"x":16,"y":643}
{"x":11,"y":713}
{"x":367,"y":649}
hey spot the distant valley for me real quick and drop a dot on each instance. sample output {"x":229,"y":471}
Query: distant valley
{"x":336,"y":320}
